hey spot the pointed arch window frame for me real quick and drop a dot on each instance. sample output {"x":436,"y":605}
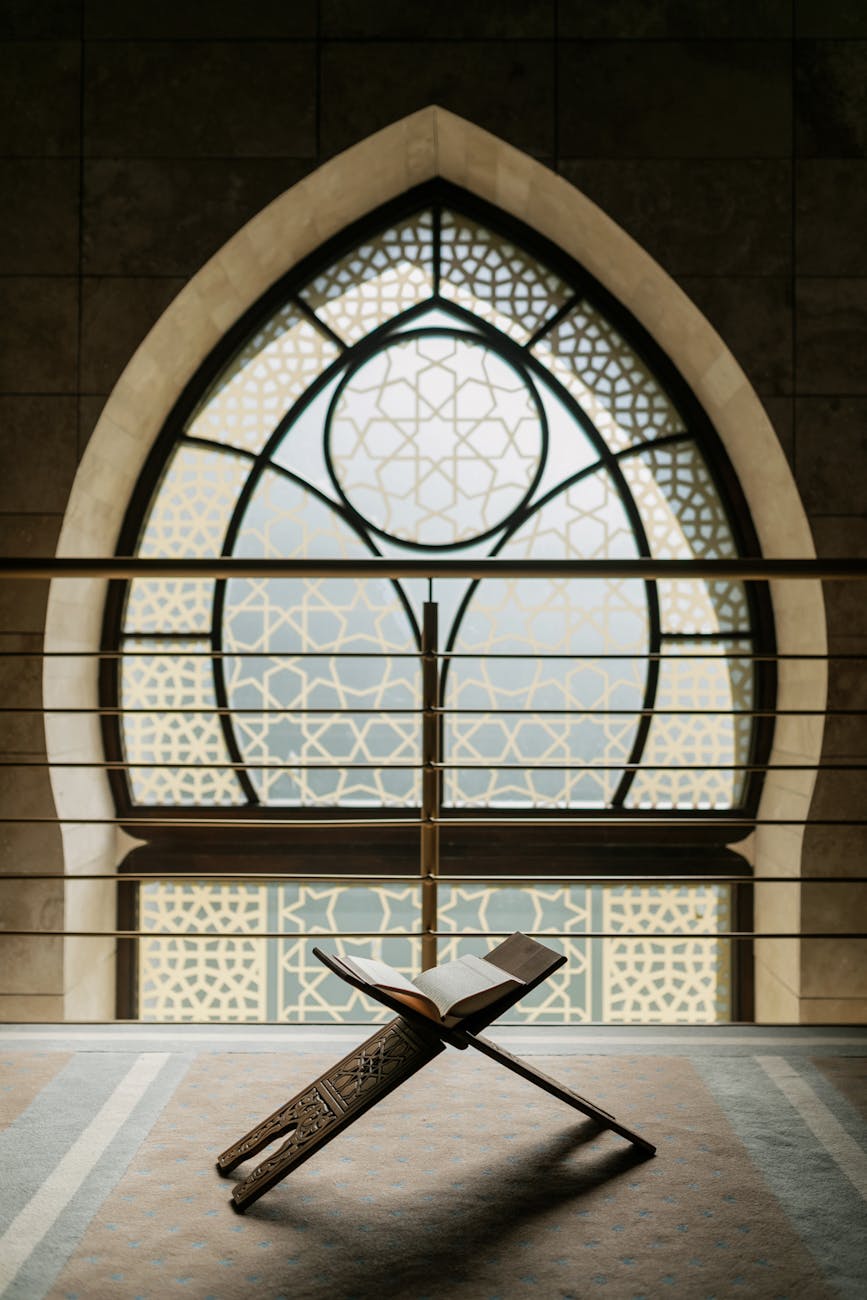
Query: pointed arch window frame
{"x":435,"y":195}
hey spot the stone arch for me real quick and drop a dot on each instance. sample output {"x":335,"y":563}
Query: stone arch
{"x":427,"y":144}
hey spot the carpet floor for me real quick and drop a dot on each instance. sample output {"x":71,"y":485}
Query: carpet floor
{"x":466,"y":1182}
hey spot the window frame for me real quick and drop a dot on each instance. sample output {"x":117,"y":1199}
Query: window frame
{"x":583,"y":848}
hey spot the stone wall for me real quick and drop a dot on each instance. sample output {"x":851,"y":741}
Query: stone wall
{"x":137,"y":137}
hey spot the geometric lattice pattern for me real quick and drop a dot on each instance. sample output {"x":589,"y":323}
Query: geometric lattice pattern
{"x":188,"y":518}
{"x":624,"y":981}
{"x":380,"y":279}
{"x":697,"y":744}
{"x":258,"y":387}
{"x":650,"y":981}
{"x":557,"y":708}
{"x":683,"y":518}
{"x":497,"y":412}
{"x":453,"y":463}
{"x":318,"y":616}
{"x":496,"y":281}
{"x":179,"y":748}
{"x":608,"y":379}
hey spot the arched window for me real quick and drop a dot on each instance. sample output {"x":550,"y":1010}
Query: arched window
{"x":442,"y":382}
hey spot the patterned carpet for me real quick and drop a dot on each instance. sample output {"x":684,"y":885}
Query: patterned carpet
{"x":466,"y":1182}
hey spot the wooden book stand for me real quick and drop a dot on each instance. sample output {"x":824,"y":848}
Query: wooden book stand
{"x":386,"y":1060}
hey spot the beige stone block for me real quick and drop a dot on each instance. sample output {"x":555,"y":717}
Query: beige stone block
{"x":800,"y":782}
{"x":836,"y":907}
{"x":781,"y":958}
{"x":839,"y":795}
{"x":834,"y":1011}
{"x":26,"y":792}
{"x":92,"y":993}
{"x":779,"y":850}
{"x":31,"y":964}
{"x":775,"y":1001}
{"x":30,"y":847}
{"x":777,"y":907}
{"x":834,"y":968}
{"x":86,"y":845}
{"x":90,"y":904}
{"x":21,"y":734}
{"x":31,"y":904}
{"x":31,"y":1008}
{"x":781,"y":803}
{"x":82,"y":958}
{"x":75,"y":609}
{"x":835,"y":850}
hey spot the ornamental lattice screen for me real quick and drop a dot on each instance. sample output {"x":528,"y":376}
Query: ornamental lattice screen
{"x":438,"y":389}
{"x":244,"y":979}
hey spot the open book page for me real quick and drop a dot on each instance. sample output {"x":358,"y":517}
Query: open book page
{"x":447,"y":992}
{"x":378,"y":972}
{"x":465,"y":985}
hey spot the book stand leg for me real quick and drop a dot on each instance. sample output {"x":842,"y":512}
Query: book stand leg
{"x":328,"y":1106}
{"x":549,"y":1085}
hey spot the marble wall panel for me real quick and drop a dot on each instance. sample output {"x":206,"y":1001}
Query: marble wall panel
{"x":831,"y":216}
{"x":31,"y":964}
{"x":448,"y":19}
{"x":39,"y":216}
{"x":754,"y":317}
{"x":842,"y":19}
{"x":830,"y":76}
{"x":180,"y":99}
{"x":506,"y":87}
{"x":831,"y":436}
{"x":831,"y":353}
{"x":39,"y":97}
{"x":726,"y":217}
{"x":116,"y":314}
{"x":37,"y":432}
{"x":166,"y":216}
{"x":24,"y":20}
{"x":675,"y":99}
{"x":38,"y":334}
{"x":192,"y":20}
{"x":667,"y":19}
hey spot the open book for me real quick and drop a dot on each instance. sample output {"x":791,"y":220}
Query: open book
{"x":447,"y":993}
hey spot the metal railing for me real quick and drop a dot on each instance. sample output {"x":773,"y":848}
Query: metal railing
{"x":431,"y":816}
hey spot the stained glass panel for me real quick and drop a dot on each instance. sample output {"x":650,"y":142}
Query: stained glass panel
{"x":480,"y":420}
{"x":626,"y":981}
{"x":254,"y":392}
{"x":530,"y":617}
{"x":170,"y":679}
{"x":266,"y":620}
{"x":682,"y":981}
{"x":378,"y":280}
{"x":608,"y":379}
{"x":188,"y":518}
{"x":699,"y":742}
{"x":436,"y":439}
{"x":495,"y":280}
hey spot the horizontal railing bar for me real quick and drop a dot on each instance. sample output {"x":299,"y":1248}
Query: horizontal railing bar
{"x":578,"y":655}
{"x":311,"y":936}
{"x":292,"y":877}
{"x":111,"y":711}
{"x":742,"y":568}
{"x":342,"y":823}
{"x":150,"y":1026}
{"x":641,"y":817}
{"x":337,"y":764}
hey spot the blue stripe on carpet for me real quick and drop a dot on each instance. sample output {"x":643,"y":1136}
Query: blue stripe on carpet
{"x":819,"y":1199}
{"x":37,"y":1142}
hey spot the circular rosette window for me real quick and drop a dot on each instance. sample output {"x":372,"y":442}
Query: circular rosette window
{"x":436,"y":439}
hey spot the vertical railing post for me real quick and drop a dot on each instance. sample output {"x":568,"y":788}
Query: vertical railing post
{"x":429,"y":862}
